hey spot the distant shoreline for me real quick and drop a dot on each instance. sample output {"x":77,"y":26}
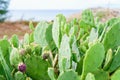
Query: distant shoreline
{"x":48,"y":15}
{"x":38,"y":15}
{"x":20,"y":27}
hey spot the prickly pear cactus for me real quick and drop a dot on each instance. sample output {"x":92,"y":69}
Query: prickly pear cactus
{"x":1,"y":70}
{"x":115,"y":62}
{"x":41,"y":35}
{"x":116,"y":75}
{"x":15,"y":58}
{"x":79,"y":66}
{"x":80,"y":49}
{"x":112,"y":21}
{"x":101,"y":75}
{"x":19,"y":76}
{"x":65,"y":52}
{"x":31,"y":26}
{"x":51,"y":73}
{"x":68,"y":75}
{"x":90,"y":76}
{"x":93,"y":35}
{"x":49,"y":37}
{"x":37,"y":68}
{"x":5,"y":45}
{"x":94,"y":55}
{"x":14,"y":41}
{"x":5,"y":66}
{"x":26,"y":40}
{"x":58,"y":28}
{"x":87,"y":18}
{"x":31,"y":37}
{"x":75,"y":50}
{"x":112,"y":38}
{"x":2,"y":77}
{"x":108,"y":59}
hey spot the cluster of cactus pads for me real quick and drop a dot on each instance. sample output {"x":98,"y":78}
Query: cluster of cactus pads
{"x":85,"y":49}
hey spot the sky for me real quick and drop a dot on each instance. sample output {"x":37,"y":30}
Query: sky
{"x":59,"y":4}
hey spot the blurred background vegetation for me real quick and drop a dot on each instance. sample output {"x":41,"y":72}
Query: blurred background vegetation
{"x":3,"y":9}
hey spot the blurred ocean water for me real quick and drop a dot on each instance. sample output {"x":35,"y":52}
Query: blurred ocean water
{"x":38,"y":15}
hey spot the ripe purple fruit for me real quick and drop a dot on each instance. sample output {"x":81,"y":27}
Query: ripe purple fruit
{"x":22,"y":67}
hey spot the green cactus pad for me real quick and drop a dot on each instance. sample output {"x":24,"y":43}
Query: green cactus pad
{"x":40,"y":34}
{"x":93,"y":59}
{"x":15,"y":58}
{"x":58,"y":28}
{"x":36,"y":68}
{"x":101,"y":75}
{"x":51,"y":73}
{"x":65,"y":52}
{"x":19,"y":76}
{"x":112,"y":37}
{"x":108,"y":59}
{"x":116,"y":75}
{"x":90,"y":76}
{"x":115,"y":62}
{"x":68,"y":75}
{"x":15,"y":41}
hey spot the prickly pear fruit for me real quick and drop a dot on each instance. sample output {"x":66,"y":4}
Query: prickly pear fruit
{"x":22,"y":67}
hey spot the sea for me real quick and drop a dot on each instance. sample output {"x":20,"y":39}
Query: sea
{"x":38,"y":15}
{"x":48,"y":15}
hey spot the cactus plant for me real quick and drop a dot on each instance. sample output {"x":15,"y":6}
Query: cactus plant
{"x":84,"y":49}
{"x":42,"y":34}
{"x":111,"y":40}
{"x":90,"y":58}
{"x":65,"y":52}
{"x":101,"y":75}
{"x":108,"y":59}
{"x":15,"y":58}
{"x":5,"y":66}
{"x":116,"y":75}
{"x":90,"y":76}
{"x":14,"y":40}
{"x":58,"y":27}
{"x":72,"y":75}
{"x":19,"y":76}
{"x":37,"y":68}
{"x":115,"y":62}
{"x":51,"y":73}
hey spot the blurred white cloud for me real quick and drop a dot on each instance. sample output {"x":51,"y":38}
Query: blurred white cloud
{"x":59,"y":4}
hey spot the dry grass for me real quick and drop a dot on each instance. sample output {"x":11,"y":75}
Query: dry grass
{"x":10,"y":28}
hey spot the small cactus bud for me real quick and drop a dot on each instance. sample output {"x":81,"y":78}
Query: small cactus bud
{"x":22,"y":67}
{"x":22,"y":51}
{"x":45,"y":56}
{"x":28,"y":49}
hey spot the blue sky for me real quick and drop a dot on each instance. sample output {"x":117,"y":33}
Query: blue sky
{"x":59,"y":4}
